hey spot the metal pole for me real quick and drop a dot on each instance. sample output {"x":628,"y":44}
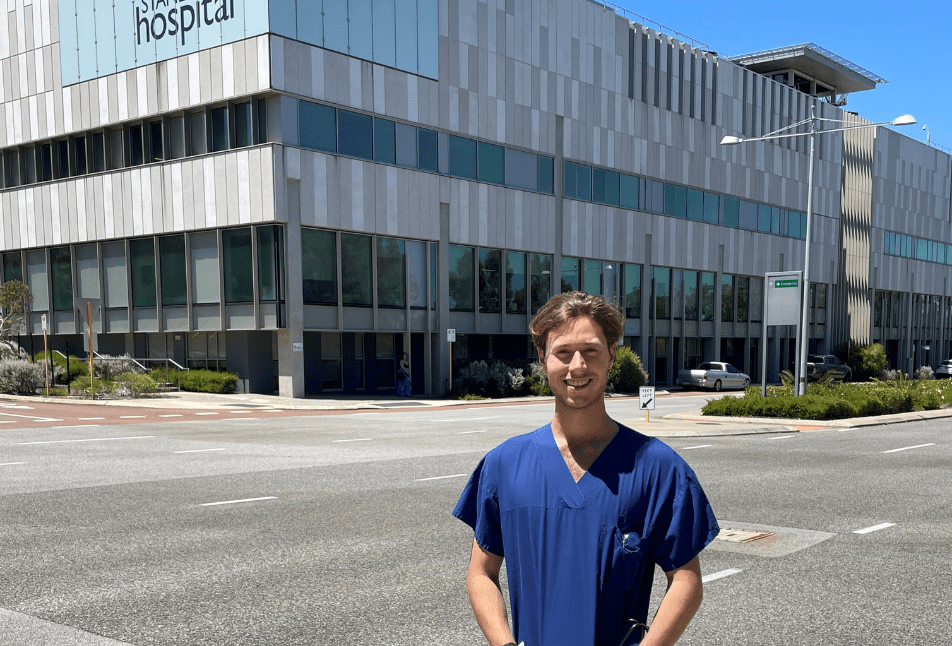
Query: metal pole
{"x":804,"y":340}
{"x":89,"y":324}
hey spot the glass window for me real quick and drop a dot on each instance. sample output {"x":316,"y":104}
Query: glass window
{"x":12,"y":266}
{"x":220,"y":128}
{"x":11,"y":169}
{"x":319,"y":266}
{"x":46,"y":162}
{"x":434,"y":292}
{"x":177,"y":137}
{"x":764,"y":218}
{"x":707,"y":296}
{"x":727,"y":298}
{"x":270,"y":263}
{"x":429,"y":150}
{"x":62,"y":273}
{"x":356,"y":269}
{"x":604,"y":186}
{"x":142,"y":262}
{"x":318,"y":126}
{"x":416,"y":272}
{"x":243,"y":128}
{"x":516,"y":282}
{"x":391,"y":272}
{"x":114,"y":278}
{"x":578,"y":181}
{"x":522,"y":170}
{"x":662,"y":292}
{"x":677,"y":294}
{"x":712,"y":208}
{"x":79,"y":149}
{"x":695,"y":205}
{"x":732,"y":212}
{"x":748,"y":215}
{"x":628,"y":192}
{"x":775,"y":220}
{"x":198,"y":144}
{"x":546,"y":170}
{"x":690,"y":295}
{"x":540,"y":276}
{"x":462,"y":281}
{"x":632,"y":291}
{"x":37,"y":277}
{"x":172,"y":270}
{"x":262,"y":120}
{"x":156,"y":146}
{"x":238,"y":265}
{"x":571,"y":273}
{"x":743,"y":296}
{"x":384,"y":141}
{"x":406,"y":145}
{"x":62,"y":159}
{"x":462,"y":157}
{"x":675,"y":201}
{"x":28,"y":164}
{"x":756,"y":300}
{"x":592,"y":277}
{"x":356,"y":136}
{"x":492,"y":166}
{"x":655,"y":196}
{"x":136,"y":146}
{"x":489,"y":280}
{"x":331,"y":361}
{"x":793,"y":224}
{"x":206,"y":285}
{"x":386,"y":363}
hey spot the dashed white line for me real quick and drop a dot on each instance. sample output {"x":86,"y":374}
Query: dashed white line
{"x":699,"y":446}
{"x":92,"y":439}
{"x":10,"y":464}
{"x":89,"y":419}
{"x":241,"y":412}
{"x":720,"y":575}
{"x":356,"y":439}
{"x":172,"y":415}
{"x":909,"y":448}
{"x":131,"y":416}
{"x":235,"y":502}
{"x":470,"y":432}
{"x":206,"y":413}
{"x":874,"y":528}
{"x":782,"y":437}
{"x":199,"y":451}
{"x":458,"y":475}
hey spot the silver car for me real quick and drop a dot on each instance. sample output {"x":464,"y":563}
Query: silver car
{"x":944,"y":371}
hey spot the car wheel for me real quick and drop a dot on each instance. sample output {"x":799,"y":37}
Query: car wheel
{"x":746,"y":384}
{"x":717,"y":386}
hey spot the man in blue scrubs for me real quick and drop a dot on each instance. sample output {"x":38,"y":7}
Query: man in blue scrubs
{"x":583,"y":508}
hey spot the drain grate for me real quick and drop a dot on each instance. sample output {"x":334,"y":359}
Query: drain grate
{"x":742,"y":535}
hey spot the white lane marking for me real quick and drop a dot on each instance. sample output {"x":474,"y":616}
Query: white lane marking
{"x":172,"y":415}
{"x":844,"y":430}
{"x":89,"y":419}
{"x":699,"y":446}
{"x":459,"y":419}
{"x":356,"y":439}
{"x":7,"y":421}
{"x":907,"y":448}
{"x":131,"y":416}
{"x":199,"y":451}
{"x":10,"y":464}
{"x":720,"y":575}
{"x":33,"y":417}
{"x":272,"y":410}
{"x":469,"y":432}
{"x":458,"y":475}
{"x":874,"y":528}
{"x":782,"y":437}
{"x":241,"y":412}
{"x":235,"y":502}
{"x":206,"y":413}
{"x":93,"y":439}
{"x":77,"y":426}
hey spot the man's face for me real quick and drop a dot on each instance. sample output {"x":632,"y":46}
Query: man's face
{"x":577,"y":360}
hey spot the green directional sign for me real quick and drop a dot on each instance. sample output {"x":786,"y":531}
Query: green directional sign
{"x":787,"y":283}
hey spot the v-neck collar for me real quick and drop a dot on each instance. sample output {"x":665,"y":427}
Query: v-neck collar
{"x":573,"y":493}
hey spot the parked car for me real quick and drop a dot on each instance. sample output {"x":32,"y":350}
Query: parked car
{"x":714,"y":375}
{"x":944,"y":371}
{"x":819,"y":365}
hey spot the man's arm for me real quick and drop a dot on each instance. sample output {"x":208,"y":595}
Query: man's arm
{"x":680,"y":602}
{"x":482,"y":583}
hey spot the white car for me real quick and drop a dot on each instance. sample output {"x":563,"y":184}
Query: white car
{"x":714,"y":375}
{"x":944,"y":371}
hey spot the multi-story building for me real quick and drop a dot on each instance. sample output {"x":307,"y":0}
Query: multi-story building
{"x":302,"y":191}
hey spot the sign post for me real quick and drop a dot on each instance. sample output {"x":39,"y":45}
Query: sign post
{"x":46,"y":355}
{"x":647,"y":396}
{"x":782,"y":306}
{"x":451,"y":338}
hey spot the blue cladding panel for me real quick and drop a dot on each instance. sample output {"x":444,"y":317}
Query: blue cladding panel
{"x":283,"y":16}
{"x":361,"y":29}
{"x":335,"y":25}
{"x":105,"y":38}
{"x":407,"y":35}
{"x":428,"y":22}
{"x":69,"y":62}
{"x":310,"y":22}
{"x":384,"y":25}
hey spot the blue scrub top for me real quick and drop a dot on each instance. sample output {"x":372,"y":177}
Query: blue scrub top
{"x":580,"y":556}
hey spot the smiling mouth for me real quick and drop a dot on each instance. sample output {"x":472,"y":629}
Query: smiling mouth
{"x":577,"y":383}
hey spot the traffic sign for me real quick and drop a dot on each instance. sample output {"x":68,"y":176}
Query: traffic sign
{"x":647,"y":395}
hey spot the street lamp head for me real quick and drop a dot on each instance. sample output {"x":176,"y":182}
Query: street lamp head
{"x":731,"y":140}
{"x":904,"y":120}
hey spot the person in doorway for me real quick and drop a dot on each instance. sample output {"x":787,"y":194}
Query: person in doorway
{"x":403,"y":376}
{"x":583,"y":508}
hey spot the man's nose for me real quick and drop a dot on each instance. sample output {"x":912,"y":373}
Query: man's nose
{"x":577,"y":360}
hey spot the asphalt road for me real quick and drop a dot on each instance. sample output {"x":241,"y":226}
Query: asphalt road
{"x":286,"y":528}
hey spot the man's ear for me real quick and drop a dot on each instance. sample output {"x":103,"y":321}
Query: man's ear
{"x":612,"y":351}
{"x":541,"y":354}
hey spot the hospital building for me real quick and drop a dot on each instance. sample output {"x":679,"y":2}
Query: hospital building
{"x":300,"y":191}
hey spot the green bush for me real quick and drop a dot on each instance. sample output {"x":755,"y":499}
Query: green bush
{"x":18,"y":377}
{"x":98,"y":389}
{"x":866,"y":361}
{"x":626,"y":374}
{"x":199,"y":381}
{"x":537,"y":380}
{"x":135,"y":385}
{"x":77,"y":367}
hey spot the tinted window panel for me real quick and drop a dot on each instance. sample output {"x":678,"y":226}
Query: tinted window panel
{"x":462,"y":283}
{"x":238,"y":266}
{"x":429,"y":150}
{"x":319,"y":266}
{"x":628,"y":192}
{"x":142,"y":261}
{"x":384,"y":143}
{"x":172,"y":270}
{"x":318,"y":126}
{"x":546,"y":170}
{"x":522,"y":170}
{"x":462,"y":157}
{"x":356,"y":269}
{"x":355,"y":134}
{"x":406,"y":145}
{"x":491,"y":163}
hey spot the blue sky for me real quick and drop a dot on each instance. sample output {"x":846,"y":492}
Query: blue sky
{"x":907,"y":43}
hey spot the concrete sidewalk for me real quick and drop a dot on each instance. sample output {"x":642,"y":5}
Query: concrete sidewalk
{"x":692,"y":424}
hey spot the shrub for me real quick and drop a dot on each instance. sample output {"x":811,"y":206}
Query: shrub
{"x":866,"y":361}
{"x":490,"y":380}
{"x":99,"y":388}
{"x":626,"y":374}
{"x":209,"y":381}
{"x":135,"y":385}
{"x":77,"y":366}
{"x":537,"y":380}
{"x":925,"y":372}
{"x":107,"y":366}
{"x":19,"y":377}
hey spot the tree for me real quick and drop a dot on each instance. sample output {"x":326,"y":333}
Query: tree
{"x":15,"y":299}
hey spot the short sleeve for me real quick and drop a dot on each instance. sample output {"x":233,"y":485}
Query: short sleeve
{"x":684,"y":526}
{"x":478,"y":507}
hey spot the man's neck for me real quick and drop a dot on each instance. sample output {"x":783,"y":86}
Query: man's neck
{"x":582,"y":435}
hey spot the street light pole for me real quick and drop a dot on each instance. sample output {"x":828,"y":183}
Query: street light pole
{"x":803,"y":341}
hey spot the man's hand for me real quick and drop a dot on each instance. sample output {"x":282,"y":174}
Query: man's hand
{"x":489,"y":606}
{"x":679,"y":605}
